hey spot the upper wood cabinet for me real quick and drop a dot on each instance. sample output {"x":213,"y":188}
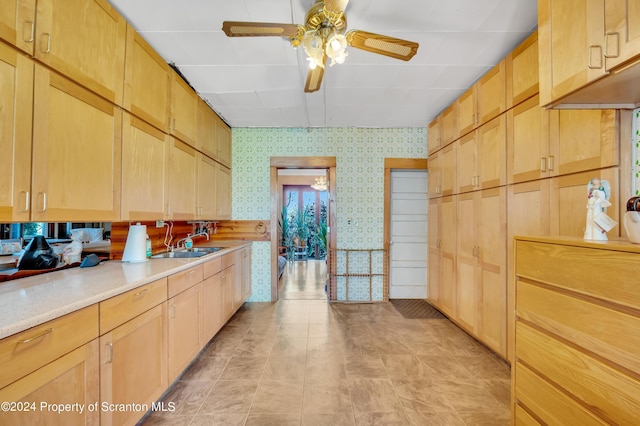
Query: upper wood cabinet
{"x":448,"y":161}
{"x":17,"y":23}
{"x":467,"y":173}
{"x":85,"y":41}
{"x":144,"y":152}
{"x":491,"y":93}
{"x":77,"y":141}
{"x":223,"y":138}
{"x":435,"y":175}
{"x":448,"y":129}
{"x":491,"y":157}
{"x":147,"y":84}
{"x":223,"y":192}
{"x":433,"y":136}
{"x":622,"y":31}
{"x":16,"y":103}
{"x":206,"y":203}
{"x":571,"y":36}
{"x":181,"y":181}
{"x":467,"y":119}
{"x":184,"y":104}
{"x":522,"y":71}
{"x":206,"y":131}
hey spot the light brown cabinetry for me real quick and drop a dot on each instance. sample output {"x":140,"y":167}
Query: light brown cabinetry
{"x":448,"y":127}
{"x":569,"y":368}
{"x":223,"y":139}
{"x":184,"y":104}
{"x":181,"y":181}
{"x":435,"y":175}
{"x":85,"y":41}
{"x":147,"y":84}
{"x":466,"y":154}
{"x":433,"y":136}
{"x":212,"y":298}
{"x":491,"y":93}
{"x":185,"y":330}
{"x":144,"y":152}
{"x":521,"y":66}
{"x":433,"y":253}
{"x":206,"y":131}
{"x":206,"y":205}
{"x":467,"y":117}
{"x":481,"y":276}
{"x":448,"y":170}
{"x":77,"y":141}
{"x":17,"y":24}
{"x":447,"y":257}
{"x":622,"y":31}
{"x":16,"y":103}
{"x":223,"y":192}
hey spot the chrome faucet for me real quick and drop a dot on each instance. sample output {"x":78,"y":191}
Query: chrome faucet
{"x":199,"y":234}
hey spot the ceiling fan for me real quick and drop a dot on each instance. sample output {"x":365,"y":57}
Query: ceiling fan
{"x":324,"y":36}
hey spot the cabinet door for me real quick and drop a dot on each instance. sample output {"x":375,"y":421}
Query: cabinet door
{"x":466,"y":163}
{"x":85,"y":41}
{"x":181,"y":181}
{"x":448,"y":170}
{"x":147,"y":84}
{"x":571,"y":46}
{"x":71,"y":379}
{"x":211,"y":305}
{"x":433,"y":136}
{"x":435,"y":175}
{"x":133,"y":365}
{"x":622,"y":32}
{"x":448,"y":255}
{"x":184,"y":103}
{"x":467,"y":111}
{"x":467,"y":286}
{"x":434,"y":241}
{"x":77,"y":142}
{"x":17,"y":24}
{"x":223,"y":139}
{"x":223,"y":193}
{"x":144,"y":151}
{"x":583,"y":140}
{"x":185,"y":337}
{"x":491,"y":93}
{"x":492,"y":262}
{"x":448,"y":126}
{"x":228,"y":293}
{"x":492,"y":158}
{"x":246,"y":273}
{"x":207,"y":187}
{"x":16,"y":103}
{"x":527,"y":142}
{"x":522,"y":71}
{"x":207,"y":122}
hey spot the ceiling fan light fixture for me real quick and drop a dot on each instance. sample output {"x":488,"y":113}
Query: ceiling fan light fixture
{"x":336,"y":48}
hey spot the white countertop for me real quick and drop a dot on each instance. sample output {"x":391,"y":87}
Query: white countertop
{"x":27,"y":302}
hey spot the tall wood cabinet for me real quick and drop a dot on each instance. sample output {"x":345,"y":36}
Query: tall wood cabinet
{"x":184,"y":105}
{"x":223,"y":192}
{"x":181,"y":181}
{"x":17,"y":24}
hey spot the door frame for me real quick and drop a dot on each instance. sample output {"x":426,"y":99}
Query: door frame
{"x":396,"y":164}
{"x":276,"y":163}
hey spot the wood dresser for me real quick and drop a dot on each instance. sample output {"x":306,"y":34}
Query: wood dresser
{"x":577,"y":333}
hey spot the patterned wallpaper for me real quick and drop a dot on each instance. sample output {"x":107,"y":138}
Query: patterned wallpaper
{"x":636,"y":152}
{"x":360,"y":155}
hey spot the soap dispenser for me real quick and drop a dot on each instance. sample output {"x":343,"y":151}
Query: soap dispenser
{"x":188,"y":243}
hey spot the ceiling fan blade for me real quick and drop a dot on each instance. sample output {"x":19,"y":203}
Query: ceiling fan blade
{"x":258,"y":29}
{"x":383,"y":45}
{"x":314,"y":80}
{"x":336,"y":5}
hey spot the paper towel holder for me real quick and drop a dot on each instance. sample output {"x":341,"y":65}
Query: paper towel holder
{"x":135,"y":249}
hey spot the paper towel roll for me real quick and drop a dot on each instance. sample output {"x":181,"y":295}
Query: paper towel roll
{"x":135,"y":249}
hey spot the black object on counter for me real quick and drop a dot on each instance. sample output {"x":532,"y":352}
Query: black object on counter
{"x":38,"y":255}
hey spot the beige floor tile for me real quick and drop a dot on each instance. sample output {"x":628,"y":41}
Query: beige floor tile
{"x":485,"y":367}
{"x":326,"y":345}
{"x":218,"y":420}
{"x":206,"y":368}
{"x":244,"y":368}
{"x":285,"y":368}
{"x":373,"y":395}
{"x":254,"y":346}
{"x":167,"y":420}
{"x":500,"y":390}
{"x":469,"y":396}
{"x":386,"y":419}
{"x":293,"y":330}
{"x":391,"y":343}
{"x":420,"y":395}
{"x":405,"y":367}
{"x":365,"y":366}
{"x":278,"y":397}
{"x":260,"y":419}
{"x":486,"y":419}
{"x":327,"y":397}
{"x":444,"y":367}
{"x":325,"y":367}
{"x":187,"y":397}
{"x":230,"y":397}
{"x":289,"y":346}
{"x":436,"y":419}
{"x":333,"y":419}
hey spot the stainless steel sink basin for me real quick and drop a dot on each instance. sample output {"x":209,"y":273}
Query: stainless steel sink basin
{"x":195,"y":252}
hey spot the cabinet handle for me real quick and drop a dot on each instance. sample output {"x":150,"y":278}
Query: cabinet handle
{"x":44,"y":202}
{"x":109,"y":347}
{"x":543,"y":164}
{"x":438,"y":243}
{"x":551,"y":162}
{"x":173,"y":310}
{"x":590,"y":64}
{"x":48,"y":49}
{"x":26,"y":201}
{"x":141,"y":293}
{"x":606,"y":44}
{"x":31,"y":31}
{"x":31,"y":339}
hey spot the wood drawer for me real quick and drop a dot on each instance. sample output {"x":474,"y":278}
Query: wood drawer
{"x":600,"y":329}
{"x":29,"y":350}
{"x":212,"y":267}
{"x":523,"y":418}
{"x":615,"y":394}
{"x":122,"y":308}
{"x":228,"y":260}
{"x":583,"y":270}
{"x":183,"y":280}
{"x":550,"y":404}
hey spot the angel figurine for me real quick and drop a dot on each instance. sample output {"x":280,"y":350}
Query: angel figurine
{"x":599,"y":192}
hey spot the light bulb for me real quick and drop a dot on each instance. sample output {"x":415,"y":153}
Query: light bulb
{"x":335,"y":43}
{"x":312,"y":64}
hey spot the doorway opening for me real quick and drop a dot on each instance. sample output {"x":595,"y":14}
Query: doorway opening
{"x":302,"y":226}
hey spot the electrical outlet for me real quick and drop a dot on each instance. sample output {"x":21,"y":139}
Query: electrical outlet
{"x":159,"y":223}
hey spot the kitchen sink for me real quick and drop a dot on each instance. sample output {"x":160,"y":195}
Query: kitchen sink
{"x":195,"y":252}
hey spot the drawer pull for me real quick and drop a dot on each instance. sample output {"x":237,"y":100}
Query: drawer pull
{"x":31,"y":339}
{"x":141,"y":292}
{"x":109,"y":347}
{"x":29,"y":28}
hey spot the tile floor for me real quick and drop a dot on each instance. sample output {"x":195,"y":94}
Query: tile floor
{"x":308,"y":362}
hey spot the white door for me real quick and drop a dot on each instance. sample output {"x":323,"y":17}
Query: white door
{"x":408,"y":250}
